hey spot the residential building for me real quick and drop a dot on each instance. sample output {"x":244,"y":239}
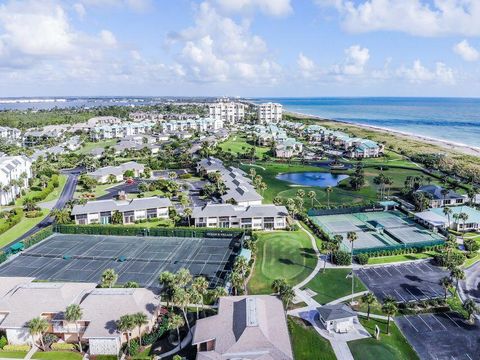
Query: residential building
{"x":228,"y":111}
{"x":101,"y":211}
{"x":255,"y":217}
{"x":33,"y":137}
{"x":200,"y":125}
{"x":9,"y":134}
{"x":288,"y":148}
{"x":15,"y":171}
{"x":103,"y":175}
{"x":130,"y":145}
{"x":246,"y":327}
{"x":439,"y":198}
{"x":436,"y":218}
{"x":119,"y":131}
{"x":269,"y":113}
{"x":363,"y":148}
{"x":145,"y":116}
{"x":337,"y":318}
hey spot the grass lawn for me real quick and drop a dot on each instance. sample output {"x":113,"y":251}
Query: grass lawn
{"x":21,"y":228}
{"x":393,"y":346}
{"x":333,"y":284}
{"x":145,"y":354}
{"x":400,"y":258}
{"x":99,"y":190}
{"x":341,"y":194}
{"x":470,"y":262}
{"x":57,"y":355}
{"x":281,"y":254}
{"x":13,"y":354}
{"x":375,"y":308}
{"x":89,"y":146}
{"x":55,"y":194}
{"x":238,"y":144}
{"x":307,"y":344}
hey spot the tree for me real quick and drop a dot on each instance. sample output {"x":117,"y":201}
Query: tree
{"x":62,"y":216}
{"x":328,"y":190}
{"x":200,"y":285}
{"x":277,"y":200}
{"x":125,"y":325}
{"x":183,"y":278}
{"x":117,"y":217}
{"x":131,"y":284}
{"x":181,"y":298}
{"x":188,"y":213}
{"x":464,"y":217}
{"x":287,"y":294}
{"x":175,"y":321}
{"x":73,"y":314}
{"x":112,"y":179}
{"x":368,"y":299}
{"x":38,"y":326}
{"x":196,"y":299}
{"x":446,"y":283}
{"x":139,"y":319}
{"x":352,"y":236}
{"x":218,"y":292}
{"x":457,"y":274}
{"x":109,"y":278}
{"x":471,"y":309}
{"x":262,"y":187}
{"x":312,"y":195}
{"x":237,"y":280}
{"x":252,"y":173}
{"x":331,"y":247}
{"x":389,"y":308}
{"x":278,"y":285}
{"x":447,"y":212}
{"x":167,"y":282}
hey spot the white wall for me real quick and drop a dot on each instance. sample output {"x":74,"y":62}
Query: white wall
{"x":104,"y":346}
{"x":19,"y":336}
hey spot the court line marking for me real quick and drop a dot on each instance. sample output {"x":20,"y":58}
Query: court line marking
{"x":468,"y":356}
{"x":434,"y":291}
{"x":452,"y":320}
{"x":425,"y":323}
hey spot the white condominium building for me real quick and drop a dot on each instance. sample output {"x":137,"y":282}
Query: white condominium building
{"x":10,"y":134}
{"x":228,"y":111}
{"x":269,"y":113}
{"x":120,"y":130}
{"x":14,"y":174}
{"x":201,"y":125}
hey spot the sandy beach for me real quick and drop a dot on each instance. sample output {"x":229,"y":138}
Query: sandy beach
{"x":448,"y":145}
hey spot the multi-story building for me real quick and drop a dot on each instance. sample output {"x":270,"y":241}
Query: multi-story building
{"x":104,"y":174}
{"x":120,"y":130}
{"x":439,"y":197}
{"x":101,"y":211}
{"x":14,"y":174}
{"x":201,"y":125}
{"x":9,"y":134}
{"x":228,"y":111}
{"x":145,"y":116}
{"x":254,"y":217}
{"x":269,"y":113}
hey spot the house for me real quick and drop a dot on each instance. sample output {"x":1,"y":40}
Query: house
{"x":121,"y":130}
{"x":103,"y":307}
{"x":255,"y":217}
{"x":97,"y":152}
{"x":337,"y":318}
{"x":439,"y":198}
{"x":101,"y":211}
{"x":288,"y":148}
{"x":102,"y":175}
{"x":269,"y":113}
{"x":33,"y":137}
{"x":228,"y":111}
{"x":15,"y":171}
{"x":436,"y":218}
{"x":246,"y":327}
{"x":132,"y":145}
{"x":363,"y":148}
{"x":26,"y":300}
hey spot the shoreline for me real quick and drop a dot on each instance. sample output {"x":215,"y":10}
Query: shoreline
{"x":446,"y":144}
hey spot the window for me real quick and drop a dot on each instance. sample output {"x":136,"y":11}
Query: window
{"x":151,"y":213}
{"x":128,"y":217}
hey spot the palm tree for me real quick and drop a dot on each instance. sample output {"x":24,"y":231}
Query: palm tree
{"x":175,"y":321}
{"x":200,"y":285}
{"x":183,"y":278}
{"x":109,"y":278}
{"x":368,"y":299}
{"x":117,"y":217}
{"x":73,"y":313}
{"x":62,"y":216}
{"x":167,"y":282}
{"x":457,"y":274}
{"x":329,"y":190}
{"x":390,"y":309}
{"x":464,"y":217}
{"x":112,"y":179}
{"x":352,"y":236}
{"x":447,"y":212}
{"x":139,"y":319}
{"x":471,"y":308}
{"x":446,"y":283}
{"x":278,"y":285}
{"x":188,"y":212}
{"x":287,"y":295}
{"x":196,"y":299}
{"x":125,"y":324}
{"x":237,"y":280}
{"x":252,"y":173}
{"x":181,"y":298}
{"x":262,"y":187}
{"x":38,"y":326}
{"x":312,"y":196}
{"x":131,"y":284}
{"x":219,"y":292}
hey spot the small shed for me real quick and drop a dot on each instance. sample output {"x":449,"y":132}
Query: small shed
{"x":389,"y":205}
{"x":338,"y":317}
{"x":17,"y":247}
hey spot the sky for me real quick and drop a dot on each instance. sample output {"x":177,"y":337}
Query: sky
{"x":249,"y":48}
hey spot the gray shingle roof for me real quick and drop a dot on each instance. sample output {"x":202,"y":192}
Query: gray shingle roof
{"x":122,"y":206}
{"x":335,"y":312}
{"x":214,"y":210}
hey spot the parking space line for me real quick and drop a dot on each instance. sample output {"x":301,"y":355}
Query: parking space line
{"x":425,"y":323}
{"x":376,"y":272}
{"x":428,"y":266}
{"x":406,"y":318}
{"x":434,"y":291}
{"x":419,"y":268}
{"x":386,"y":269}
{"x":408,"y":268}
{"x":468,"y":356}
{"x":396,"y":268}
{"x":438,"y":321}
{"x":406,"y":289}
{"x":366,"y":274}
{"x":403,"y":299}
{"x":452,"y":320}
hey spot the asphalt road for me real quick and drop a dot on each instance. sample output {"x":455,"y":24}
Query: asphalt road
{"x":471,"y":284}
{"x":65,"y":196}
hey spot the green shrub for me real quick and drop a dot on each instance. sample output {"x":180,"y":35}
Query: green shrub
{"x":341,"y":258}
{"x":3,"y":342}
{"x":185,"y":176}
{"x":13,"y":218}
{"x":33,"y":214}
{"x":63,"y":346}
{"x":16,"y":348}
{"x":456,"y":259}
{"x":471,"y":245}
{"x":362,"y":259}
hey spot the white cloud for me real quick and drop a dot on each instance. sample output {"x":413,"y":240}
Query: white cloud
{"x":80,"y":10}
{"x":419,"y":74}
{"x":416,"y":17}
{"x":466,"y":51}
{"x":305,"y":64}
{"x":135,"y":5}
{"x":356,"y":59}
{"x":267,"y":7}
{"x":108,"y":38}
{"x":218,"y":49}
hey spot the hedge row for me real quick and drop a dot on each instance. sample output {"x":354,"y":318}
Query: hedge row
{"x":63,"y":347}
{"x":42,"y":195}
{"x":15,"y":348}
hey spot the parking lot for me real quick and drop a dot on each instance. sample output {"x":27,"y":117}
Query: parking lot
{"x":441,"y":336}
{"x":409,"y":282}
{"x":84,"y":257}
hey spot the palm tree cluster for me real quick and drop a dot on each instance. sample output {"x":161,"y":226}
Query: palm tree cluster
{"x":284,"y":291}
{"x":389,"y":308}
{"x":128,"y":322}
{"x":357,"y":179}
{"x":238,"y":276}
{"x":384,"y":183}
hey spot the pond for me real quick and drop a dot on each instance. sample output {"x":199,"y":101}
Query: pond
{"x":320,"y":179}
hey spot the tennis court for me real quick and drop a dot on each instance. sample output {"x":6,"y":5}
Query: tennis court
{"x":83,"y":258}
{"x":377,"y":230}
{"x":411,"y":282}
{"x":441,"y":336}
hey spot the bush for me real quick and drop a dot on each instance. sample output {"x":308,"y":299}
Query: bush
{"x":362,"y":259}
{"x":185,"y":176}
{"x":471,"y":245}
{"x":16,"y":348}
{"x":62,"y":347}
{"x":33,"y":214}
{"x":13,"y":218}
{"x":456,"y":259}
{"x":52,"y":184}
{"x":3,"y":342}
{"x":341,"y":258}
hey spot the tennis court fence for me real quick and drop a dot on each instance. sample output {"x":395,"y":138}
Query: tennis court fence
{"x":420,"y":245}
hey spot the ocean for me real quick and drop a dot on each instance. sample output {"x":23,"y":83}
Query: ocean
{"x":455,"y":120}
